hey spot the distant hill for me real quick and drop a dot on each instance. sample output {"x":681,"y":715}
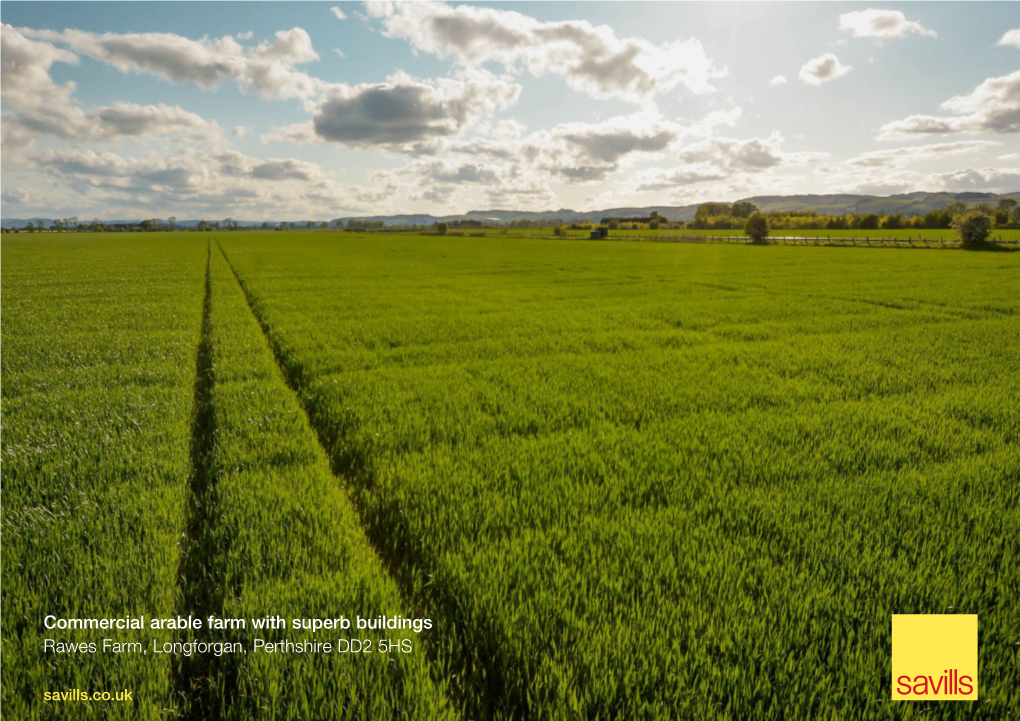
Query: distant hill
{"x":907,"y":204}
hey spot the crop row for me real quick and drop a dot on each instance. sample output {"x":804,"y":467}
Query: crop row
{"x":99,"y":346}
{"x":280,"y":537}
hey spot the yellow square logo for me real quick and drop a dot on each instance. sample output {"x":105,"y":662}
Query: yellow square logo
{"x":935,"y":657}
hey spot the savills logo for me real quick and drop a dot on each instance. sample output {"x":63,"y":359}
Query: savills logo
{"x":935,"y":657}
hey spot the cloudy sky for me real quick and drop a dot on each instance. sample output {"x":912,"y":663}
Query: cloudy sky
{"x":319,"y":110}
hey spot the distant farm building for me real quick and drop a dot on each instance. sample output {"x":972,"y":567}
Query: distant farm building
{"x":600,"y":234}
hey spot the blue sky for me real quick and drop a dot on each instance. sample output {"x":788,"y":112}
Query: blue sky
{"x":317,"y":110}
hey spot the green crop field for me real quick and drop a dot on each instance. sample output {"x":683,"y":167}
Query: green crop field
{"x":625,"y":480}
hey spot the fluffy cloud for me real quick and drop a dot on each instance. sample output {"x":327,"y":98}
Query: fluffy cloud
{"x":402,"y":114}
{"x":48,"y":109}
{"x":883,"y":25}
{"x":823,"y":69}
{"x":267,"y":68}
{"x":992,"y":107}
{"x":123,"y":120}
{"x":731,"y":155}
{"x":658,"y":179}
{"x":25,"y":69}
{"x":778,"y":80}
{"x":1010,"y":39}
{"x":584,"y":152}
{"x":460,"y":183}
{"x":443,"y":172}
{"x":17,"y":196}
{"x":987,"y":180}
{"x":741,"y":163}
{"x":193,"y":182}
{"x":592,"y":59}
{"x":611,"y":140}
{"x":338,"y":13}
{"x":899,"y":157}
{"x":888,"y":171}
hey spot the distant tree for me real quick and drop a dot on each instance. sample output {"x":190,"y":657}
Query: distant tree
{"x":957,"y":208}
{"x":560,"y":232}
{"x":265,"y":226}
{"x":868,"y":222}
{"x":324,"y":225}
{"x":614,"y":225}
{"x":172,"y":220}
{"x":442,"y":228}
{"x":1003,"y":210}
{"x":706,"y":210}
{"x":309,"y":223}
{"x":74,"y":222}
{"x":1015,"y":215}
{"x":744,"y":210}
{"x":148,"y":225}
{"x":893,"y":222}
{"x":30,"y":226}
{"x":654,"y":225}
{"x":973,"y":229}
{"x":202,"y":225}
{"x":757,"y":228}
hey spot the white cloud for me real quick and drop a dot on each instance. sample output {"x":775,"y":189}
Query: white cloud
{"x":193,"y":183}
{"x":17,"y":196}
{"x":245,"y":36}
{"x":592,"y":59}
{"x":883,"y":25}
{"x":445,"y":172}
{"x":587,"y":152}
{"x":46,"y":108}
{"x":401,"y":114}
{"x":899,"y":157}
{"x":778,"y":80}
{"x":239,"y":131}
{"x":611,"y":140}
{"x":25,"y":81}
{"x":339,"y":53}
{"x":1010,"y":39}
{"x":338,"y":13}
{"x":823,"y":69}
{"x":992,"y":107}
{"x":659,"y":179}
{"x":733,"y":155}
{"x":1010,"y":156}
{"x":987,"y":180}
{"x":267,"y":68}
